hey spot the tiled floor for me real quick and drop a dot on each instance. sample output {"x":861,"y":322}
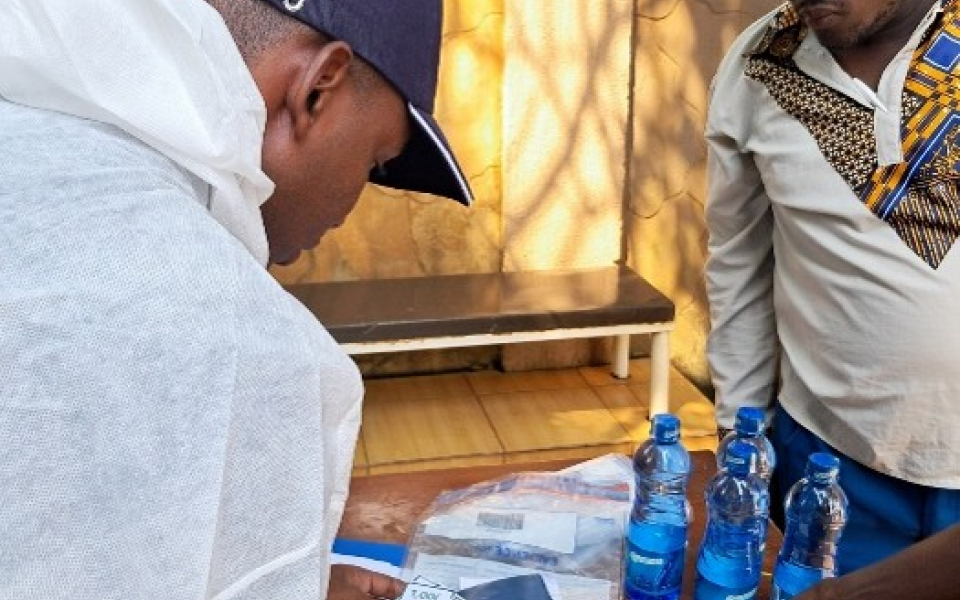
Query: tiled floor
{"x":489,"y":417}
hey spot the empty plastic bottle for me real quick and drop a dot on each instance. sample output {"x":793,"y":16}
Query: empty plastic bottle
{"x":816,"y":512}
{"x":738,"y":504}
{"x":749,"y":428}
{"x":657,"y":536}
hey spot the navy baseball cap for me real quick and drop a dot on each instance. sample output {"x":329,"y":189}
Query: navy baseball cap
{"x":401,"y":40}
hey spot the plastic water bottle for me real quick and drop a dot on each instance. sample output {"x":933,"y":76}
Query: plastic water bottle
{"x":816,"y":511}
{"x":657,"y":536}
{"x":749,"y":428}
{"x":738,"y":504}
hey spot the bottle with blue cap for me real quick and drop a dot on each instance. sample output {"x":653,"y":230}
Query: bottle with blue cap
{"x":657,"y":535}
{"x":738,"y":505}
{"x":816,"y":513}
{"x":749,"y":428}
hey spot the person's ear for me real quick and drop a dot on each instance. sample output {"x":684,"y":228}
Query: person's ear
{"x":323,"y":76}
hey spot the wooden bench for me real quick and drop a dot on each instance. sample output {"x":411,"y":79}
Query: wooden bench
{"x":453,"y":311}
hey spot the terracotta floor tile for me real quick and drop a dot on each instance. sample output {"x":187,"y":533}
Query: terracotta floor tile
{"x":550,"y":419}
{"x":602,"y":375}
{"x":490,"y":417}
{"x":421,"y":386}
{"x":708,"y":442}
{"x":399,"y":429}
{"x":630,"y":404}
{"x":360,"y":458}
{"x":626,"y":409}
{"x":496,"y":382}
{"x":583,"y":453}
{"x":696,"y":413}
{"x":697,"y":420}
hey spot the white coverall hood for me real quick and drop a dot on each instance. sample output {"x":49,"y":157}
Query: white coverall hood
{"x":208,"y":119}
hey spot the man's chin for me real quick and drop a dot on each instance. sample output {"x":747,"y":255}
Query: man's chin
{"x":285,"y":259}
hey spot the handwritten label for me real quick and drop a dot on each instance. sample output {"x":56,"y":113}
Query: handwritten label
{"x":428,"y":591}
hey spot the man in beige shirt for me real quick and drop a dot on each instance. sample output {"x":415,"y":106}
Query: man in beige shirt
{"x":832,"y":274}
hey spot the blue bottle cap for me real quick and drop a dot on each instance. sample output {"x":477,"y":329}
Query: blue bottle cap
{"x":665,"y":428}
{"x":749,"y":420}
{"x":740,"y":458}
{"x":823,"y":467}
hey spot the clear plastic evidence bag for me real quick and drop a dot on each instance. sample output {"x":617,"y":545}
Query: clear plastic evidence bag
{"x":566,"y":526}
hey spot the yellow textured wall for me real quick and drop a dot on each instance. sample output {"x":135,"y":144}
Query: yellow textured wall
{"x":566,"y":87}
{"x":678,"y":47}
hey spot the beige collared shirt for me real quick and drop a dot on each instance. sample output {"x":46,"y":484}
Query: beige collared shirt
{"x":814,"y":299}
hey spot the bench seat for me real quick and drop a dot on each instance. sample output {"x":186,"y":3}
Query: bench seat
{"x":450,"y":311}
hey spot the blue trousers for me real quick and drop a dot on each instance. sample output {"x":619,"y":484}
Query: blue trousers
{"x":886,"y":514}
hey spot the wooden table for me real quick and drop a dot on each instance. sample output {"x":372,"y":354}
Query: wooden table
{"x":386,"y":507}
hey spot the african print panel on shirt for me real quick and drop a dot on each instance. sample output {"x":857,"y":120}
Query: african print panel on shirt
{"x":919,"y":197}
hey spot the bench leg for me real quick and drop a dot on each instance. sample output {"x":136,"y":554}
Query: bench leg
{"x":621,"y":356}
{"x":659,"y":372}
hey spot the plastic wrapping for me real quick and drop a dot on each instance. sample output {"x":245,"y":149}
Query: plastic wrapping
{"x":567,"y":526}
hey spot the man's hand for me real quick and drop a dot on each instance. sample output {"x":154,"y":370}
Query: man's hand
{"x":926,"y":570}
{"x":348,"y":582}
{"x":825,"y":590}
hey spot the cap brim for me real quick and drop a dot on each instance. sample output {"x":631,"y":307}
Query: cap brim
{"x":426,"y":164}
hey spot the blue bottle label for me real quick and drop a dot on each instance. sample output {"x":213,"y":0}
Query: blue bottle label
{"x":653,"y":573}
{"x":791,"y":579}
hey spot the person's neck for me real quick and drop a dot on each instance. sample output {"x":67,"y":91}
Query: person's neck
{"x":867,"y":60}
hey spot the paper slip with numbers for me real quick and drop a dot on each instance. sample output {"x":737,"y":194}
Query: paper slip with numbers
{"x":422,"y":588}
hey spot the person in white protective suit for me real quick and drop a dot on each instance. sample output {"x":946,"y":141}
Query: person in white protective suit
{"x":173,"y":424}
